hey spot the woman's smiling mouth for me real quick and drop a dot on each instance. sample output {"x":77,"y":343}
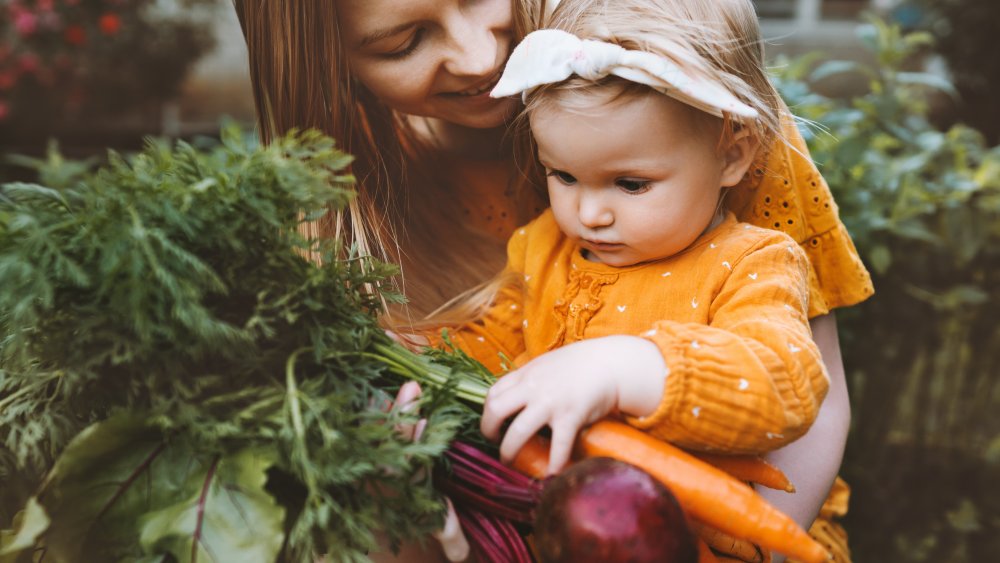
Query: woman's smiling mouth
{"x":481,"y":88}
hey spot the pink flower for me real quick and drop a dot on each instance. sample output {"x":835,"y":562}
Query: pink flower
{"x":25,"y":23}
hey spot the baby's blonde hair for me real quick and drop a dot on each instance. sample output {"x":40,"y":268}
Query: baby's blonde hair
{"x":718,"y":40}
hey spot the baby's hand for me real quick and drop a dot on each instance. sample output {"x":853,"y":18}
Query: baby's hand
{"x":572,"y":387}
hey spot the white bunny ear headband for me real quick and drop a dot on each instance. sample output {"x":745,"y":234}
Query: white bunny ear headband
{"x":548,"y":56}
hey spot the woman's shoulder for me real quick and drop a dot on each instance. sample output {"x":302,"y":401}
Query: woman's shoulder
{"x":738,"y":239}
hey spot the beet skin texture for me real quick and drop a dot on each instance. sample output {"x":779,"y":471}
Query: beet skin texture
{"x":603,"y":510}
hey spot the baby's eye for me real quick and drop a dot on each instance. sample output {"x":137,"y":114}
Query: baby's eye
{"x":633,"y":186}
{"x":563,"y":177}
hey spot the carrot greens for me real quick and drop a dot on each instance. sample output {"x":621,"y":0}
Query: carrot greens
{"x":178,"y":381}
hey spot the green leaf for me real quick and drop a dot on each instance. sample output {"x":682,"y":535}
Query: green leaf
{"x":964,"y":518}
{"x":881,"y":258}
{"x":928,"y":79}
{"x":29,"y":524}
{"x":227,"y":515}
{"x":120,"y":481}
{"x":832,"y":68}
{"x":992,"y":454}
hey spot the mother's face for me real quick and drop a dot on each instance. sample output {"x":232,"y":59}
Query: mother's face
{"x":433,"y":58}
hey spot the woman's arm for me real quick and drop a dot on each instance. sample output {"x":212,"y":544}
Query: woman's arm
{"x":812,"y":461}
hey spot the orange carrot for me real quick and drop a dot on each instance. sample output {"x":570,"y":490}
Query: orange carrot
{"x":705,"y":554}
{"x":749,"y":468}
{"x":741,"y":550}
{"x":706,"y":493}
{"x":533,"y":459}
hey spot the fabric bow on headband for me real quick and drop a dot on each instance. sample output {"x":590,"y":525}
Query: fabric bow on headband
{"x":548,"y":56}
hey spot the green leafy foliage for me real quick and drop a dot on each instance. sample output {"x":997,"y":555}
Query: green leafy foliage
{"x":923,"y":207}
{"x":186,"y":380}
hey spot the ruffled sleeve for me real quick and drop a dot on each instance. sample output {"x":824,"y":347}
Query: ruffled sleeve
{"x":784,"y":191}
{"x":752,"y":380}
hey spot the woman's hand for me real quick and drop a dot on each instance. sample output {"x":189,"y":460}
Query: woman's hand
{"x":571,"y":387}
{"x":453,"y":542}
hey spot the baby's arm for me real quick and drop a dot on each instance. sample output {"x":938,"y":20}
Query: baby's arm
{"x":752,"y":380}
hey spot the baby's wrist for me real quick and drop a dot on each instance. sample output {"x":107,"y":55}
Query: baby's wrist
{"x":641,"y":376}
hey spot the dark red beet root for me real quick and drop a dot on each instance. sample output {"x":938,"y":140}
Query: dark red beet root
{"x":604,"y":510}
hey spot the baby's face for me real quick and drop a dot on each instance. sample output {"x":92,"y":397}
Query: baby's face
{"x":631,"y":181}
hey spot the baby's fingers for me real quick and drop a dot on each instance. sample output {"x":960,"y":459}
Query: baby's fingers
{"x":522,"y":429}
{"x":561,"y":446}
{"x":497,"y":409}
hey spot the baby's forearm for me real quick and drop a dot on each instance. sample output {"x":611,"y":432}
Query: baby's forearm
{"x":642,"y":375}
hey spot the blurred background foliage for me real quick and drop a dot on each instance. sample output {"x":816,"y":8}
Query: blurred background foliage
{"x":907,"y":144}
{"x":967,"y":39}
{"x":922,"y":356}
{"x":84,"y":66}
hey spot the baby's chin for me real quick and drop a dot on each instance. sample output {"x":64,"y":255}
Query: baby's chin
{"x":619,"y":260}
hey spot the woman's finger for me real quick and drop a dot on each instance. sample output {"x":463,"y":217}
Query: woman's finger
{"x":408,"y":394}
{"x":452,"y":539}
{"x":406,"y":401}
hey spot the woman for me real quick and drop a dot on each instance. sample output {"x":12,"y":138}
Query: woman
{"x":403,"y":86}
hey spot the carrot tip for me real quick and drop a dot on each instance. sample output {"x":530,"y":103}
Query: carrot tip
{"x":789,"y":488}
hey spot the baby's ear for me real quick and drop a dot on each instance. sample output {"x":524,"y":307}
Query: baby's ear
{"x":737,"y":155}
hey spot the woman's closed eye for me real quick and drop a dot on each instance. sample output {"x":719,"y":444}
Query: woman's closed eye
{"x":406,"y":47}
{"x":564,"y":177}
{"x":633,"y":185}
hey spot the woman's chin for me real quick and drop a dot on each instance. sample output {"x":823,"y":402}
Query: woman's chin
{"x":480,"y":112}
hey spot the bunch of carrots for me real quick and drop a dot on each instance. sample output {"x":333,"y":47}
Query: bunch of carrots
{"x":712,"y":489}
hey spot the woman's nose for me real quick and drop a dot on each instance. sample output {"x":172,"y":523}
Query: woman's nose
{"x":473,"y":49}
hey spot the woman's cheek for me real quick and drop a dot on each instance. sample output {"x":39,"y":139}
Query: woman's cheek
{"x":398,"y":86}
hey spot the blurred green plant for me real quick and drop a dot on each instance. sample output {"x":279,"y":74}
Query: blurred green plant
{"x":923,"y":207}
{"x":966,"y":33}
{"x":85,"y":60}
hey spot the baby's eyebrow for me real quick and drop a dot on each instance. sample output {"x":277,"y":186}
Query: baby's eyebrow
{"x":380,"y":34}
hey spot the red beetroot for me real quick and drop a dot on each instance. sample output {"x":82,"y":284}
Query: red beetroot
{"x":605,"y":510}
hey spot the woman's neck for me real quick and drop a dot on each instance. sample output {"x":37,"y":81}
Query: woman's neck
{"x":464,"y":142}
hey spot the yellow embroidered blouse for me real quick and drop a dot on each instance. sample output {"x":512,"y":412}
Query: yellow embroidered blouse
{"x":729,"y":315}
{"x":783,"y":191}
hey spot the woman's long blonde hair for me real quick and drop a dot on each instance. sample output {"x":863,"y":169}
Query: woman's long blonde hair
{"x":405,"y":211}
